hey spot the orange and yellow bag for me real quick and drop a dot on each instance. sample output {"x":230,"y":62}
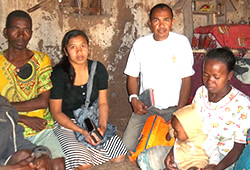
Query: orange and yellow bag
{"x":154,"y":133}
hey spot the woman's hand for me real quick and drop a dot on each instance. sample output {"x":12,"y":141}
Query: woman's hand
{"x":210,"y":167}
{"x":138,"y":106}
{"x":89,"y":138}
{"x":101,"y":130}
{"x":169,"y":161}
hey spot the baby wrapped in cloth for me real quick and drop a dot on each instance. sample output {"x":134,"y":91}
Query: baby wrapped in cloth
{"x":198,"y":150}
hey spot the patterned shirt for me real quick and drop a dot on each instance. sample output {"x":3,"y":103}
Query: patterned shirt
{"x":228,"y":120}
{"x":27,"y":82}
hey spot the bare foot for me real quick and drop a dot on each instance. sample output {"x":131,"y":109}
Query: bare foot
{"x":118,"y":159}
{"x":84,"y":167}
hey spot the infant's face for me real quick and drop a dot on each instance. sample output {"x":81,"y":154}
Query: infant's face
{"x":179,"y":132}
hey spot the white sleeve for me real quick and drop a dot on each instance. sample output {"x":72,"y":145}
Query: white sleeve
{"x":212,"y":151}
{"x":187,"y":58}
{"x":133,"y":64}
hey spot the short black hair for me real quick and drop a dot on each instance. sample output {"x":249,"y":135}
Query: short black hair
{"x":161,"y":6}
{"x":17,"y":13}
{"x":224,"y":55}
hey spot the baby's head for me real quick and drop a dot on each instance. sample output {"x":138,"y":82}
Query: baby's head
{"x":179,"y":131}
{"x":186,"y":122}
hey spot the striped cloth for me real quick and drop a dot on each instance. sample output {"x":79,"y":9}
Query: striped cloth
{"x":78,"y":154}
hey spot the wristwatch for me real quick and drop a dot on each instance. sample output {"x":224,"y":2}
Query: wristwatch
{"x":132,"y":96}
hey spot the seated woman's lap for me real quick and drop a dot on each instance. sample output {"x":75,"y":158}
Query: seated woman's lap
{"x":78,"y":154}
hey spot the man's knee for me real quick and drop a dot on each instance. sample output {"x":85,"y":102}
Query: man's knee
{"x":130,"y":138}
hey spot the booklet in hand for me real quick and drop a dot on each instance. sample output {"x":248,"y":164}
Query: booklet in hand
{"x":147,"y":97}
{"x":92,"y":129}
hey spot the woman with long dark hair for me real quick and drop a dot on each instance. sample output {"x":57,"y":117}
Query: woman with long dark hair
{"x":70,"y":78}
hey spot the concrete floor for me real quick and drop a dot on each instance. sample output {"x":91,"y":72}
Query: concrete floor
{"x":126,"y":165}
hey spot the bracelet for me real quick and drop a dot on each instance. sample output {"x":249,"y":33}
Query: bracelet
{"x":132,"y":96}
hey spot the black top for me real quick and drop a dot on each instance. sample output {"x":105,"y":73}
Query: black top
{"x":74,"y":96}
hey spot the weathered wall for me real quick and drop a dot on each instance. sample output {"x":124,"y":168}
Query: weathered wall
{"x":111,"y":36}
{"x":233,"y":17}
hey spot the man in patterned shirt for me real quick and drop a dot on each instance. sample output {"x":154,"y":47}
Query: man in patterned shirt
{"x":25,"y":82}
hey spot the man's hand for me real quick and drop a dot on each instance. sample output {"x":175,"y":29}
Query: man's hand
{"x":133,"y":88}
{"x":138,"y":106}
{"x":25,"y":164}
{"x":43,"y":163}
{"x":35,"y":123}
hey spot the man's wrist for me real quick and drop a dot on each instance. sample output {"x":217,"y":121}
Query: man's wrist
{"x":42,"y":150}
{"x":132,"y":96}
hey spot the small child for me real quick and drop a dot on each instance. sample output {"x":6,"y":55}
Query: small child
{"x":192,"y":149}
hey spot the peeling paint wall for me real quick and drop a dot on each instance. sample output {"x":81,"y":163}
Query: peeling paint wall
{"x":111,"y":35}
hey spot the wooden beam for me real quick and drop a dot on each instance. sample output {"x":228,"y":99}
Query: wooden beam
{"x":188,"y":20}
{"x":39,"y":5}
{"x":230,"y":6}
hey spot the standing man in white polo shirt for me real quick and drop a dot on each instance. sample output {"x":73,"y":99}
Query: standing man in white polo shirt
{"x":162,"y":61}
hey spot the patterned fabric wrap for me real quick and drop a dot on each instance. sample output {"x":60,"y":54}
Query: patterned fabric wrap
{"x":244,"y":161}
{"x":27,"y":82}
{"x":248,"y":136}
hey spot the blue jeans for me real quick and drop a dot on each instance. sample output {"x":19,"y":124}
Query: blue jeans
{"x":136,"y":124}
